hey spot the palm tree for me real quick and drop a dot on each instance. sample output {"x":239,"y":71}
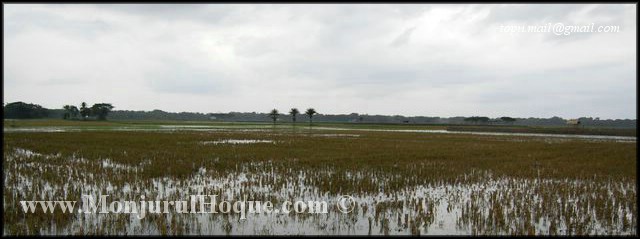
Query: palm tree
{"x":274,"y":115}
{"x":294,"y":112}
{"x":310,"y":112}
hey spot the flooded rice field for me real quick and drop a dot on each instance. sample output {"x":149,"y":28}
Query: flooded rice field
{"x":270,"y":128}
{"x":402,"y":183}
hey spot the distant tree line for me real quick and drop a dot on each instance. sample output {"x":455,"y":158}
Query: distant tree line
{"x":487,"y":120}
{"x":35,"y":111}
{"x":98,"y":111}
{"x":21,"y":110}
{"x":477,"y":119}
{"x":159,"y":115}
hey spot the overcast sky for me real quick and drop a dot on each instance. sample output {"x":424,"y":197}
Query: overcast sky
{"x":427,"y":60}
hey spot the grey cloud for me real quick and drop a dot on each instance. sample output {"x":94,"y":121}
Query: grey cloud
{"x":32,"y":21}
{"x":362,"y":57}
{"x":62,"y":81}
{"x":403,"y":38}
{"x":180,"y":78}
{"x":210,"y":14}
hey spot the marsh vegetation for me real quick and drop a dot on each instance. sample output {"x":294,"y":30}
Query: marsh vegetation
{"x":403,"y":182}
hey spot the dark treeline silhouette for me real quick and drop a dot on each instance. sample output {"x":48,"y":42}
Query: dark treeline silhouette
{"x":98,"y":111}
{"x":360,"y":118}
{"x":10,"y":113}
{"x":159,"y":115}
{"x":21,"y":110}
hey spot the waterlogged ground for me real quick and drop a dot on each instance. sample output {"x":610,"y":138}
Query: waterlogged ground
{"x":403,"y":182}
{"x":34,"y":127}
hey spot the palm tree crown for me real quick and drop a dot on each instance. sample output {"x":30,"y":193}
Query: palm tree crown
{"x":274,"y":115}
{"x":310,"y":112}
{"x":293,"y":113}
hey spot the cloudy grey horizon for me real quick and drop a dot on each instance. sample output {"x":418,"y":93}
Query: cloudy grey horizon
{"x":408,"y":59}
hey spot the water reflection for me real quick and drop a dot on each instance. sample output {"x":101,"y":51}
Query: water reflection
{"x":478,"y":203}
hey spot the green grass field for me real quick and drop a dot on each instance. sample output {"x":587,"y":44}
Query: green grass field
{"x":472,"y":184}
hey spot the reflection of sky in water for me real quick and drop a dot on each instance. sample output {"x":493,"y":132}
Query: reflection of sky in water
{"x":263,"y":128}
{"x":441,"y":208}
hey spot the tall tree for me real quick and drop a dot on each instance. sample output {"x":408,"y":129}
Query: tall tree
{"x":274,"y":115}
{"x":294,"y":112}
{"x":101,"y":110}
{"x":67,"y":112}
{"x":508,"y":119}
{"x":74,"y":111}
{"x":310,"y":112}
{"x":70,"y":112}
{"x":84,"y":111}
